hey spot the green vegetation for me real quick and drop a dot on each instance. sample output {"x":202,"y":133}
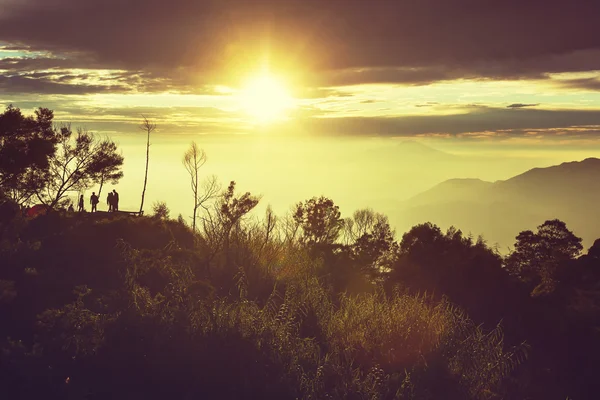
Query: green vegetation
{"x":304,"y":306}
{"x":143,"y":307}
{"x":126,"y":308}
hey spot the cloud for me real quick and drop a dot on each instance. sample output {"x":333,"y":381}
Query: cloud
{"x":428,"y":104}
{"x":471,"y":122}
{"x":521,"y":105}
{"x":592,"y":84}
{"x":41,"y":84}
{"x":497,"y":122}
{"x":166,"y":115}
{"x":125,"y":120}
{"x":319,"y":93}
{"x":28,"y":64}
{"x":379,"y":41}
{"x":46,"y":75}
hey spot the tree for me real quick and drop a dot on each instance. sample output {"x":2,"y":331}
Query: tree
{"x":160,"y":210}
{"x":108,"y":164}
{"x":370,"y":239}
{"x":361,"y":222}
{"x":319,"y":219}
{"x":594,"y":251}
{"x":233,"y":209}
{"x":193,"y":159}
{"x":226,"y":215}
{"x":374,"y":250}
{"x":26,"y":146}
{"x":147,"y":127}
{"x":78,"y":164}
{"x":538,"y":256}
{"x":450,"y":264}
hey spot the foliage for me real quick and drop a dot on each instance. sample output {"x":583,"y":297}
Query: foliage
{"x":151,"y":316}
{"x":372,"y":241}
{"x":309,"y":306}
{"x":467,"y":271}
{"x":108,"y":164}
{"x":538,"y":256}
{"x":160,"y":210}
{"x":26,"y":147}
{"x":232,"y":208}
{"x":319,"y":219}
{"x":81,"y":161}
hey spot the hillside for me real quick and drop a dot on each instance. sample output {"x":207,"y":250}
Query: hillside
{"x":101,"y":305}
{"x":499,"y":210}
{"x":451,"y":190}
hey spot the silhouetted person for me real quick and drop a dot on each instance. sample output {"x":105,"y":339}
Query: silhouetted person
{"x":94,"y":201}
{"x":110,"y":200}
{"x":80,"y":206}
{"x":115,"y":200}
{"x":71,"y":209}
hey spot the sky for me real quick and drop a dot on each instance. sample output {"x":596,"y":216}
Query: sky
{"x":368,"y":102}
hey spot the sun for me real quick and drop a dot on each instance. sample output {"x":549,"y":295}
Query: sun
{"x":266,"y":98}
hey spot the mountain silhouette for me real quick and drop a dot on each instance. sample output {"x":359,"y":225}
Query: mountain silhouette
{"x":411,"y":149}
{"x":500,"y":210}
{"x":450,"y":190}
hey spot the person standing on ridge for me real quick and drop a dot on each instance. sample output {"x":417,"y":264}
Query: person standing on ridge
{"x":80,"y":205}
{"x":115,"y":198}
{"x":110,"y":201}
{"x":94,"y":202}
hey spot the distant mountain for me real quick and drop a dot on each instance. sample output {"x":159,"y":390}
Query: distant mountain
{"x":410,"y":150}
{"x":450,"y":191}
{"x":500,"y":210}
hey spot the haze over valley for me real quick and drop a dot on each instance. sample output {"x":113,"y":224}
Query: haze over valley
{"x":402,"y":178}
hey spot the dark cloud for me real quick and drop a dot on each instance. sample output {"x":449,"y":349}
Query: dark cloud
{"x":428,"y":104}
{"x":533,"y":67}
{"x":38,"y":83}
{"x":360,"y":41}
{"x":474,"y":122}
{"x":49,"y":76}
{"x":28,"y":64}
{"x":125,"y":120}
{"x":496,"y":121}
{"x":190,"y":114}
{"x":521,"y":105}
{"x":584,"y":83}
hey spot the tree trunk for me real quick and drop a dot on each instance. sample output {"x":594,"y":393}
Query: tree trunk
{"x":194,"y":218}
{"x":195,"y":202}
{"x":146,"y":175}
{"x":101,"y":184}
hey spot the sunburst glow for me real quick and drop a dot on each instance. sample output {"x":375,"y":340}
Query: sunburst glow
{"x":266,"y":98}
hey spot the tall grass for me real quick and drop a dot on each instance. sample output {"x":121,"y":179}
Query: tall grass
{"x":262,"y":325}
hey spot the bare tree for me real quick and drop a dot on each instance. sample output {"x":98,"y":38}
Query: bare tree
{"x":147,"y":127}
{"x":193,"y":159}
{"x":270,"y":224}
{"x":362,"y":222}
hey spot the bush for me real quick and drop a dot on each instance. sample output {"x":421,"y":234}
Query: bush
{"x":124,"y":308}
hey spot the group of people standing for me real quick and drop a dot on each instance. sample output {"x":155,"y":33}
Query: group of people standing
{"x":112,"y":200}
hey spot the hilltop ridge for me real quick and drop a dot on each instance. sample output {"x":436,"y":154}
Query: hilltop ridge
{"x":568,"y":191}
